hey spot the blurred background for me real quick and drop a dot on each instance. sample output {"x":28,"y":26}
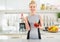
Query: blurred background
{"x":11,"y":12}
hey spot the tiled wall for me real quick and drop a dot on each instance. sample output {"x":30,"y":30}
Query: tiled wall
{"x":11,"y":21}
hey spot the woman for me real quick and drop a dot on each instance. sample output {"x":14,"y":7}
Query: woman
{"x":31,"y":21}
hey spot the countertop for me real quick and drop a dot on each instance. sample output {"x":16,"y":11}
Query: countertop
{"x":21,"y":37}
{"x":25,"y":40}
{"x":25,"y":33}
{"x":44,"y":34}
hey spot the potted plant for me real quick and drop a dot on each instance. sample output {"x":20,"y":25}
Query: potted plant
{"x":58,"y":16}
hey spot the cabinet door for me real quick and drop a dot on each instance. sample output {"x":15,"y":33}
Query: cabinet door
{"x":2,"y":4}
{"x":17,"y":4}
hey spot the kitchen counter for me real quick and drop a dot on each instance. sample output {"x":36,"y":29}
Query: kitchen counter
{"x":25,"y":40}
{"x":23,"y":35}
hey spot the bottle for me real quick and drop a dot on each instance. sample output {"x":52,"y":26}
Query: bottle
{"x":22,"y":24}
{"x":21,"y":21}
{"x":43,"y":7}
{"x":21,"y":18}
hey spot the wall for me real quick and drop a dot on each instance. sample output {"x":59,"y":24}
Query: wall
{"x":23,"y":4}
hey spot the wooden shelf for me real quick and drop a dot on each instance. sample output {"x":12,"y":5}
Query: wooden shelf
{"x":26,"y":11}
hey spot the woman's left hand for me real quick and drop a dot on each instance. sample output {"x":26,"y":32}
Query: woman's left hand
{"x":40,"y":27}
{"x":36,"y":25}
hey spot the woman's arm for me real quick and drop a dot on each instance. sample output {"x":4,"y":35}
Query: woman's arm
{"x":41,"y":22}
{"x":26,"y":23}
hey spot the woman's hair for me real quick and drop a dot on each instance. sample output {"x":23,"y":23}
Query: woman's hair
{"x":32,"y":2}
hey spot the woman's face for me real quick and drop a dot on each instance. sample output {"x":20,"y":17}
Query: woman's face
{"x":32,"y":7}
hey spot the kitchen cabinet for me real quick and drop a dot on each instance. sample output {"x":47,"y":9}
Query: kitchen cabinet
{"x":17,"y":4}
{"x":2,"y":4}
{"x":23,"y":4}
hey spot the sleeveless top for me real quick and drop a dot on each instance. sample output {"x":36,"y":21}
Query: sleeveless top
{"x":34,"y":30}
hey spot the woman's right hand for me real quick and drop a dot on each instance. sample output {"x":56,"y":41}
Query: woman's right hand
{"x":27,"y":29}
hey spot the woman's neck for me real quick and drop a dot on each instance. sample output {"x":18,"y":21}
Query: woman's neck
{"x":32,"y":14}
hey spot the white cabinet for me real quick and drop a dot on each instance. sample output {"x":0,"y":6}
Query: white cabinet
{"x":24,"y":4}
{"x":17,"y":4}
{"x":2,"y":4}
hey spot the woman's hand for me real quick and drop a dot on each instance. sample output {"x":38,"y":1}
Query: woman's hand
{"x":27,"y":29}
{"x":40,"y":27}
{"x":26,"y":23}
{"x":36,"y":25}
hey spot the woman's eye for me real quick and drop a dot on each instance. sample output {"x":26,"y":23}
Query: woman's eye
{"x":33,"y":6}
{"x":30,"y":6}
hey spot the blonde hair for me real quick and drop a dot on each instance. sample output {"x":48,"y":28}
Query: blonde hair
{"x":32,"y":2}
